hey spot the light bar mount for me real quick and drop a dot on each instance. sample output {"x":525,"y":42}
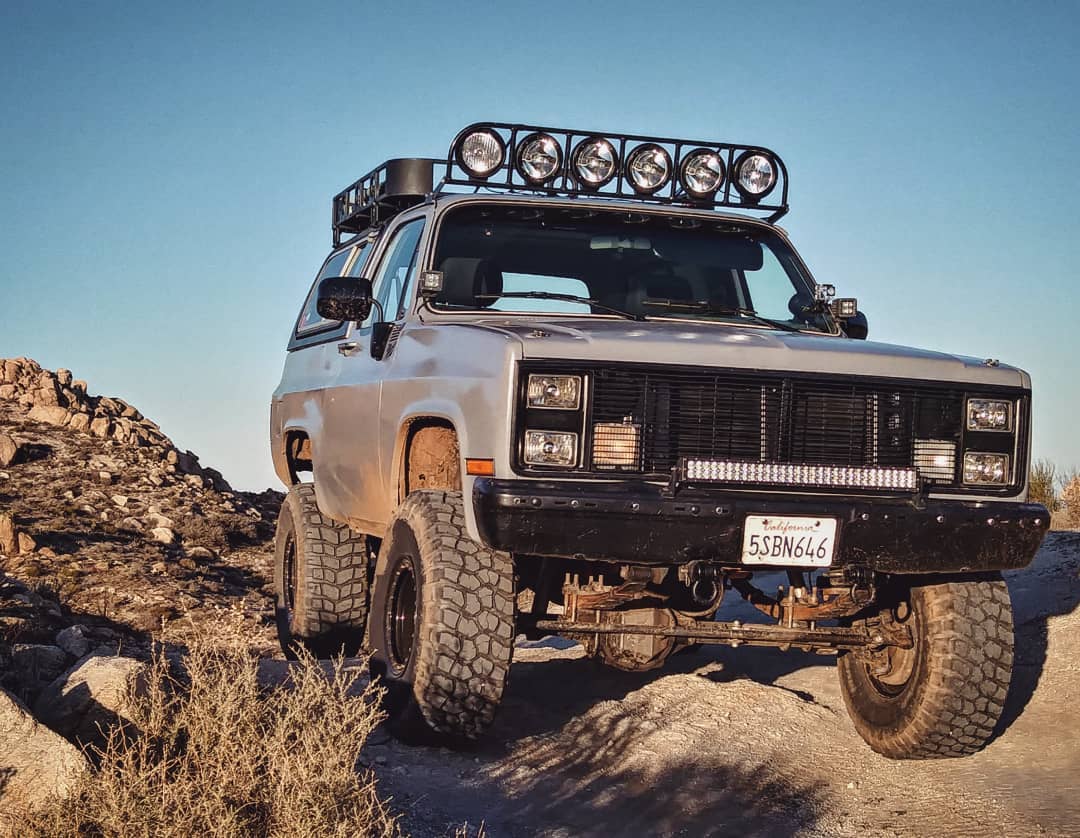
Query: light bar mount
{"x":507,"y":177}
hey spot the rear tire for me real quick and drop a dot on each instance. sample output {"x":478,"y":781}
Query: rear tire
{"x":943,"y":697}
{"x":320,"y":579}
{"x":442,"y":623}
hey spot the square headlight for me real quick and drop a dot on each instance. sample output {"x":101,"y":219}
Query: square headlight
{"x":558,"y":392}
{"x":986,"y":469}
{"x":616,"y":445}
{"x":550,"y":448}
{"x":989,"y":415}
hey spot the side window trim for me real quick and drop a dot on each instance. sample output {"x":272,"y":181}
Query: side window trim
{"x":386,"y":252}
{"x":322,"y":332}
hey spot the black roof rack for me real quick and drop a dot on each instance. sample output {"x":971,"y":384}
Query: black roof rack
{"x":508,"y":175}
{"x":402,"y":183}
{"x":382,"y":193}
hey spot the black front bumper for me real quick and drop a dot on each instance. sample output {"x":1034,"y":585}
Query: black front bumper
{"x":636,"y":522}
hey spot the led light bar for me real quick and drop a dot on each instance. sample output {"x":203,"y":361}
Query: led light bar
{"x":795,"y":474}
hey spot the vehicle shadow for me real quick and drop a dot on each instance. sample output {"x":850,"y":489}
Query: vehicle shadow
{"x":1047,"y":588}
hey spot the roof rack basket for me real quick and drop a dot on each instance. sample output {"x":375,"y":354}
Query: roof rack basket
{"x":394,"y":186}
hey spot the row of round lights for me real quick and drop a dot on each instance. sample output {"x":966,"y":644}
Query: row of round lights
{"x":594,"y":163}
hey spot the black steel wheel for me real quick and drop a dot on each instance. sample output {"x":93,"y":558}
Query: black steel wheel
{"x":442,"y":623}
{"x":944,"y":696}
{"x":320,"y":579}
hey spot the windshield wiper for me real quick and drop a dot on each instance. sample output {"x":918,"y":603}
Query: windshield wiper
{"x":709,"y":308}
{"x":566,"y":298}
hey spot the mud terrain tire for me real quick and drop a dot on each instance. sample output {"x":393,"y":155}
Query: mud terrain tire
{"x":320,"y":579}
{"x":442,"y":623}
{"x":948,"y":692}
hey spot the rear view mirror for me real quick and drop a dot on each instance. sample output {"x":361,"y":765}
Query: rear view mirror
{"x":344,"y":298}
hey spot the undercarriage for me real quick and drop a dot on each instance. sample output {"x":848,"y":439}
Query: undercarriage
{"x":634,"y":617}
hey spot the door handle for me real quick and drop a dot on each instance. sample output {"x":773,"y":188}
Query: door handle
{"x":348,"y":348}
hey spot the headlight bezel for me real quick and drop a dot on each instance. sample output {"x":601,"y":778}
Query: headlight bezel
{"x":533,"y":436}
{"x":741,"y":163}
{"x":1005,"y":461}
{"x":500,"y":144}
{"x":982,"y":404}
{"x":544,"y":381}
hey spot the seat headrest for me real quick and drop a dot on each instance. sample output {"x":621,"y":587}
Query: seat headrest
{"x":464,"y":278}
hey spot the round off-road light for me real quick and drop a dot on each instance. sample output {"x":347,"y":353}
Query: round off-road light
{"x":702,"y":173}
{"x":648,"y":168}
{"x":595,"y":162}
{"x":539,"y":158}
{"x":481,"y":152}
{"x":755,"y":175}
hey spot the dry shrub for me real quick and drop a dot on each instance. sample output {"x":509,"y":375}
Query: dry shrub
{"x":1070,"y":499}
{"x":209,"y":752}
{"x":1042,"y":484}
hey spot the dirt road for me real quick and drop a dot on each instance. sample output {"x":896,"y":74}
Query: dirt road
{"x":755,"y":742}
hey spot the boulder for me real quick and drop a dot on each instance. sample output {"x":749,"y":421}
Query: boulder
{"x":27,"y":543}
{"x":35,"y":763}
{"x":73,"y":641}
{"x":50,"y":414}
{"x":94,"y":694}
{"x":37,"y":663}
{"x":9,"y":535}
{"x":63,"y":377}
{"x":80,"y":422}
{"x":9,"y":450}
{"x":163,"y":534}
{"x":7,"y":391}
{"x":100,"y":427}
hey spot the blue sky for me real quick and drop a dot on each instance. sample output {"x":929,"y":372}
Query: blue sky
{"x":166,"y":172}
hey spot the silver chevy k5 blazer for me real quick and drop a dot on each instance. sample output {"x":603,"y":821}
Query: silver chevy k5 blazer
{"x":580,"y":383}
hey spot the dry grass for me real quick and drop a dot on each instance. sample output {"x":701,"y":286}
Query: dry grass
{"x":1070,"y":498}
{"x":1042,"y":485}
{"x":209,"y":752}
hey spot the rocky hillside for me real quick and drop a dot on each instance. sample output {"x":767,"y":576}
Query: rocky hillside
{"x":107,"y":530}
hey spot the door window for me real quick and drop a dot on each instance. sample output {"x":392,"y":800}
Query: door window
{"x":397,"y":272}
{"x":310,"y":321}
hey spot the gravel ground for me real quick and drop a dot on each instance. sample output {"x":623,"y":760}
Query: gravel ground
{"x":754,"y":742}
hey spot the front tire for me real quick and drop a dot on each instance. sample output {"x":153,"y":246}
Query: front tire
{"x":320,"y":579}
{"x":442,"y":623}
{"x":944,"y":696}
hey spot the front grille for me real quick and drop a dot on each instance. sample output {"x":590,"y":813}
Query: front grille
{"x":773,"y":418}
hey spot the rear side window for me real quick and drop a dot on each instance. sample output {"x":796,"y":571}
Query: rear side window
{"x":310,"y":321}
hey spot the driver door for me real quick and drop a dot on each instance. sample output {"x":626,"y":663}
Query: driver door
{"x":351,"y":478}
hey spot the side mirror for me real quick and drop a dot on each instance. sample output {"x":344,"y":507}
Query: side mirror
{"x":344,"y":298}
{"x":855,"y":326}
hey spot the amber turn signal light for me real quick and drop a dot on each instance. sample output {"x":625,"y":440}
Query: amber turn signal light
{"x":480,"y":468}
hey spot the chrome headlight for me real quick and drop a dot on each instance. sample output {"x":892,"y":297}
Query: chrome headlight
{"x":702,"y":173}
{"x":560,"y":392}
{"x":648,"y":168}
{"x":595,"y":162}
{"x":755,"y":175}
{"x":981,"y":469}
{"x":989,"y":415}
{"x":481,"y":152}
{"x":539,"y":158}
{"x":550,"y":448}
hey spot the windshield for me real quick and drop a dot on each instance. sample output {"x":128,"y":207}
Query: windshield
{"x":584,"y":261}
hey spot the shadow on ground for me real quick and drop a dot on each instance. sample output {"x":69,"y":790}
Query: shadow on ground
{"x":1046,"y":589}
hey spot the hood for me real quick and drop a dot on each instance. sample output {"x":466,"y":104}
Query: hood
{"x":738,"y":347}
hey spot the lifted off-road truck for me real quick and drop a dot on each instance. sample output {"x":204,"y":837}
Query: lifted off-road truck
{"x":584,"y":385}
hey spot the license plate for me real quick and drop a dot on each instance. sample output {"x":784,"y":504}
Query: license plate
{"x":788,"y":540}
